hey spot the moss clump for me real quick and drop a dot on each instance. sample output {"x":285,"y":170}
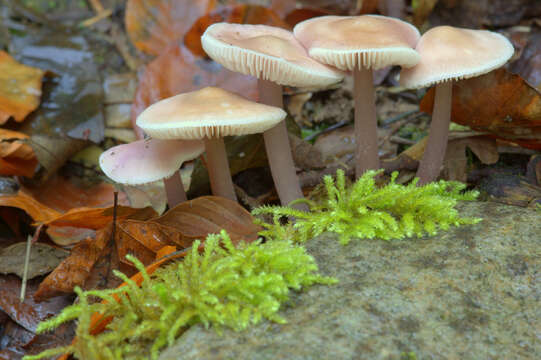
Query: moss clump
{"x":366,"y":211}
{"x":226,"y":285}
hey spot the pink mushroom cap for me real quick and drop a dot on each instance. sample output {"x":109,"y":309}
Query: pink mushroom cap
{"x":148,"y":160}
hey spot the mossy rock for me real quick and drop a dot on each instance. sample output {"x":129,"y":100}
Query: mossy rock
{"x":468,"y":293}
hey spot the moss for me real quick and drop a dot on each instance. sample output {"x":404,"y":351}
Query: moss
{"x":364,"y":210}
{"x":225,"y":286}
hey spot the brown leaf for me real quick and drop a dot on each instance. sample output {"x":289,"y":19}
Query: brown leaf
{"x":153,"y":24}
{"x":20,"y":88}
{"x":29,"y":313}
{"x":43,"y":259}
{"x":180,"y":226}
{"x":499,"y":103}
{"x":97,"y":218}
{"x":185,"y":72}
{"x":16,"y":156}
{"x":455,"y":161}
{"x":239,"y":14}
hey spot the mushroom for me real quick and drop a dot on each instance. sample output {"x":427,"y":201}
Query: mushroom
{"x":361,"y":44}
{"x":209,"y":114}
{"x":276,"y":58}
{"x":449,"y":54}
{"x":149,"y":160}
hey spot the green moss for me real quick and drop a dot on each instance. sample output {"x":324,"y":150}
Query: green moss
{"x":226,"y":285}
{"x":364,"y":210}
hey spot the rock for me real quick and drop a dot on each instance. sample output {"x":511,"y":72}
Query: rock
{"x":469,"y":293}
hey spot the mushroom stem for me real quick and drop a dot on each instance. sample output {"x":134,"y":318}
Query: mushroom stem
{"x":174,"y":190}
{"x":218,"y":168}
{"x":279,"y":150}
{"x":366,"y":123}
{"x":432,"y":160}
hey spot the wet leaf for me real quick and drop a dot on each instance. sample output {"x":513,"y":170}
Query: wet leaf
{"x":240,"y":14}
{"x":29,"y":313}
{"x":20,"y":88}
{"x":185,"y":72}
{"x":144,"y":238}
{"x":153,"y":24}
{"x":43,"y":259}
{"x":71,"y":110}
{"x":499,"y":103}
{"x":16,"y":156}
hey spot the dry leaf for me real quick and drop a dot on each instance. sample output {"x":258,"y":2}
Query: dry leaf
{"x":20,"y":88}
{"x":16,"y":156}
{"x":153,"y":24}
{"x":38,"y":212}
{"x":239,"y":14}
{"x":499,"y":103}
{"x":185,"y":72}
{"x":43,"y":259}
{"x":144,"y":238}
{"x":455,"y":161}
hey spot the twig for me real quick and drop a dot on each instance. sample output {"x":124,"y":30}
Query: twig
{"x":102,"y":15}
{"x":29,"y":241}
{"x":326,"y":130}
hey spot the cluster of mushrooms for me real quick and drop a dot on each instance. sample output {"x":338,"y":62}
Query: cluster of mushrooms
{"x":317,"y":54}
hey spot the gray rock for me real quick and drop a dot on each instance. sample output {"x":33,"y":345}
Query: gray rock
{"x":468,"y":293}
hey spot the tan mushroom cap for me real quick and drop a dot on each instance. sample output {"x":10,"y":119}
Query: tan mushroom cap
{"x":370,"y":41}
{"x":149,"y":160}
{"x":266,"y":52}
{"x":449,"y":53}
{"x":207,"y":113}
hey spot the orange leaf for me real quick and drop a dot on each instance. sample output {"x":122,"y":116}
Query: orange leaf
{"x":97,"y":218}
{"x":196,"y":218}
{"x":185,"y":72}
{"x":180,"y":226}
{"x":16,"y":157}
{"x":499,"y":103}
{"x":20,"y":89}
{"x":240,"y":14}
{"x":38,"y":212}
{"x":153,"y":24}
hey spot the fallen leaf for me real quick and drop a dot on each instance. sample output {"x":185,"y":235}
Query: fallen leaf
{"x":455,"y":161}
{"x":153,"y":24}
{"x":185,"y":72}
{"x":297,"y":15}
{"x":499,"y":103}
{"x":144,"y":238}
{"x":510,"y":189}
{"x":29,"y":313}
{"x":483,"y":13}
{"x":239,"y":14}
{"x":70,"y":113}
{"x":20,"y":88}
{"x":421,"y":11}
{"x":16,"y":156}
{"x":38,"y":212}
{"x":43,"y":259}
{"x":529,"y":64}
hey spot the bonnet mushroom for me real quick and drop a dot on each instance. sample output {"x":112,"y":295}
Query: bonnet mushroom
{"x":449,"y":54}
{"x":276,"y":58}
{"x":361,"y":44}
{"x":209,"y":114}
{"x":149,"y":160}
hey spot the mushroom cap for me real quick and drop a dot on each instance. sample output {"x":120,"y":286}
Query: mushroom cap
{"x":268,"y":53}
{"x":369,"y":41}
{"x":449,"y":53}
{"x":148,"y":160}
{"x":207,"y":113}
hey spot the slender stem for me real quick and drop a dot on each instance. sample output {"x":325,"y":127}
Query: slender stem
{"x":279,"y":150}
{"x":366,"y":124}
{"x":174,"y":190}
{"x":218,"y":168}
{"x":432,"y":160}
